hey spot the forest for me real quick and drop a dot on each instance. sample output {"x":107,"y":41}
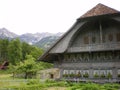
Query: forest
{"x":22,"y":57}
{"x":15,"y":51}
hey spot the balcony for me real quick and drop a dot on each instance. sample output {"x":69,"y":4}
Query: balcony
{"x":95,"y":47}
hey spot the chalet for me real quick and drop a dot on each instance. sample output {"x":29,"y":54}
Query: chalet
{"x":90,"y":49}
{"x":4,"y":65}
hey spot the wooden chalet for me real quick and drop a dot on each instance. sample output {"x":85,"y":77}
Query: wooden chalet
{"x":90,"y":49}
{"x":4,"y":65}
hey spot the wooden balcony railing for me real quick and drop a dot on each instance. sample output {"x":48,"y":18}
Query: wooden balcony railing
{"x":95,"y":47}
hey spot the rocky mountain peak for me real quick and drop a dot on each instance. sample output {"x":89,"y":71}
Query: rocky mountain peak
{"x":4,"y":33}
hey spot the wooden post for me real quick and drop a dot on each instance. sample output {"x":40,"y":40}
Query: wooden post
{"x":100,"y":27}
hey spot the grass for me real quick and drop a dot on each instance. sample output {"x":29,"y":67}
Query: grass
{"x":7,"y":83}
{"x":5,"y":76}
{"x":56,"y":88}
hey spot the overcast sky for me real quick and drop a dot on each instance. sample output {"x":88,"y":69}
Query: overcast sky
{"x":31,"y":16}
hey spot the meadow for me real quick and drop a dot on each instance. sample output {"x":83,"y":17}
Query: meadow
{"x":8,"y":83}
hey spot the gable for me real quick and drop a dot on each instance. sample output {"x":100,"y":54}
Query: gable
{"x":99,"y":9}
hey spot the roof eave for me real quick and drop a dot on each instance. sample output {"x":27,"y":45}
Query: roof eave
{"x":99,"y":16}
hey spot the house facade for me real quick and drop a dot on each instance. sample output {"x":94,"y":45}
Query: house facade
{"x":90,"y":49}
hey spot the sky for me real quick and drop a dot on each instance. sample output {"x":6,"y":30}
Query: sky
{"x":33,"y":16}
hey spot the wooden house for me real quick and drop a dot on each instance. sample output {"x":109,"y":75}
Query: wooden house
{"x":4,"y":65}
{"x":90,"y":49}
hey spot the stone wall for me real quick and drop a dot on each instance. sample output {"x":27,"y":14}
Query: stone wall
{"x":53,"y":73}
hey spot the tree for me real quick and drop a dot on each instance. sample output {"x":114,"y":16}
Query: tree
{"x":44,"y":65}
{"x":26,"y":49}
{"x":36,"y":52}
{"x":29,"y":66}
{"x":4,"y":49}
{"x":15,"y":51}
{"x":30,"y":50}
{"x":13,"y":69}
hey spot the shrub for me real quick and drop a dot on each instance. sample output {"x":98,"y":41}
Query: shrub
{"x":78,"y":75}
{"x":96,"y":75}
{"x":102,"y":75}
{"x":86,"y":75}
{"x":109,"y":75}
{"x":72,"y":75}
{"x":65,"y":75}
{"x":119,"y":75}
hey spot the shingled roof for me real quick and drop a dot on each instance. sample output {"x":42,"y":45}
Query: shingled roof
{"x":63,"y":43}
{"x":99,"y":9}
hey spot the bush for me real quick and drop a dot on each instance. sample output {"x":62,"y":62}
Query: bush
{"x":78,"y":75}
{"x":72,"y":75}
{"x":119,"y":75}
{"x":96,"y":75}
{"x":65,"y":75}
{"x":102,"y":75}
{"x":109,"y":75}
{"x":86,"y":75}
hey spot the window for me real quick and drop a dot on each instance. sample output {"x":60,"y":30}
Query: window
{"x":118,"y":73}
{"x":96,"y":73}
{"x":103,"y":39}
{"x":86,"y":40}
{"x":72,"y":71}
{"x":93,"y":39}
{"x":102,"y":56}
{"x":65,"y":72}
{"x":118,"y":37}
{"x":95,"y":56}
{"x":110,"y":37}
{"x":109,"y":72}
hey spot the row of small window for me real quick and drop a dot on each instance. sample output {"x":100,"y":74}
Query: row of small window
{"x":87,"y":71}
{"x":100,"y":55}
{"x":110,"y":38}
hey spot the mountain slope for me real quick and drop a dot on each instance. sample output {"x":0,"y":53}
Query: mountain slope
{"x":43,"y":40}
{"x":46,"y":42}
{"x":4,"y":33}
{"x":33,"y":38}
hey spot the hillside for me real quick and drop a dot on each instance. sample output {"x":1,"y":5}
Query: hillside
{"x":46,"y":42}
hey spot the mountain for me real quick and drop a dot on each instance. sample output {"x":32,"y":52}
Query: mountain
{"x":43,"y":40}
{"x":34,"y":38}
{"x":40,"y":39}
{"x":4,"y":33}
{"x":46,"y":42}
